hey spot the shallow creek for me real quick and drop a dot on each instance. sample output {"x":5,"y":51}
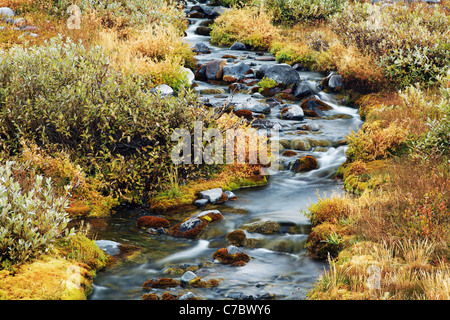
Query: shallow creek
{"x":279,"y":267}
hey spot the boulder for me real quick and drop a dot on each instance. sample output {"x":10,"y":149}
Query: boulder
{"x":238,"y":46}
{"x":5,"y":11}
{"x":187,"y":277}
{"x":214,"y":69}
{"x":235,"y":72}
{"x":301,"y":90}
{"x":282,"y":73}
{"x":292,"y":112}
{"x":189,"y":74}
{"x":152,"y":222}
{"x":201,"y":202}
{"x":215,"y":12}
{"x":194,"y":225}
{"x":253,"y":106}
{"x":305,"y":163}
{"x":301,"y":145}
{"x":335,"y":82}
{"x":162,"y":90}
{"x":212,"y":195}
{"x":263,"y":226}
{"x":203,"y":31}
{"x":201,"y":48}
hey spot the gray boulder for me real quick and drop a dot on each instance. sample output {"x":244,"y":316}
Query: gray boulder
{"x":236,"y":72}
{"x":238,"y":46}
{"x":5,"y":11}
{"x":283,"y":74}
{"x":212,"y":195}
{"x":294,"y":112}
{"x":201,"y":48}
{"x":187,"y":277}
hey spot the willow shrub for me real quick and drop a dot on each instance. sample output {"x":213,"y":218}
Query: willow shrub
{"x":31,"y":216}
{"x":120,"y":13}
{"x":64,"y":97}
{"x":295,"y":11}
{"x":411,"y":43}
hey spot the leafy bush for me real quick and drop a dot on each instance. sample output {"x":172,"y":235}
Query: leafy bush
{"x":410,"y":42}
{"x":123,"y":14}
{"x":250,"y":25}
{"x":62,"y":96}
{"x":295,"y":11}
{"x":31,"y":216}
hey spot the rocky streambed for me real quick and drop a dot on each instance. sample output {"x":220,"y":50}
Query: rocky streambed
{"x":249,"y":244}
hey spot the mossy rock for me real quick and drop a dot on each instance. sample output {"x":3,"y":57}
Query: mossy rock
{"x":152,"y":222}
{"x":263,"y":227}
{"x":236,"y":259}
{"x":300,"y":144}
{"x":236,"y":238}
{"x":305,"y":163}
{"x":320,"y":244}
{"x":160,"y":283}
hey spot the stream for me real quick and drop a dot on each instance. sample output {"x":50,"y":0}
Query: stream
{"x":279,"y":267}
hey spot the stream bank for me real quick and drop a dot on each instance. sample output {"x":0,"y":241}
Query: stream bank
{"x":279,"y":267}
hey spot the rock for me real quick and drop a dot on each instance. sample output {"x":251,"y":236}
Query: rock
{"x":188,"y":296}
{"x":196,"y":15}
{"x":238,"y":87}
{"x":265,"y":58}
{"x":301,"y":90}
{"x":201,"y":48}
{"x":30,"y":28}
{"x":161,"y":283}
{"x":236,"y":259}
{"x":238,"y":46}
{"x":212,"y":195}
{"x":190,"y":75}
{"x":253,"y":106}
{"x":292,"y":112}
{"x":201,"y":202}
{"x":162,"y":90}
{"x":306,"y":163}
{"x":214,"y":69}
{"x":272,"y":102}
{"x":212,"y":91}
{"x":233,"y":250}
{"x":215,"y":12}
{"x":283,"y":74}
{"x":300,"y":144}
{"x":236,"y":238}
{"x":108,"y":246}
{"x":235,"y":72}
{"x":262,"y":71}
{"x":5,"y":11}
{"x":257,"y":95}
{"x":335,"y":82}
{"x":203,"y":31}
{"x":230,"y":195}
{"x":152,"y":222}
{"x":263,"y":123}
{"x":190,"y":224}
{"x":263,"y":226}
{"x":187,"y":277}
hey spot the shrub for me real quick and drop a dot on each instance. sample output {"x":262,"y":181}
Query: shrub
{"x":250,"y":25}
{"x":410,"y":42}
{"x":62,"y":96}
{"x":295,"y":11}
{"x":122,"y":14}
{"x":31,"y":216}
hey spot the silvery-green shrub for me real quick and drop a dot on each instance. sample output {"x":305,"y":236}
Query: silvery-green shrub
{"x":30,"y":221}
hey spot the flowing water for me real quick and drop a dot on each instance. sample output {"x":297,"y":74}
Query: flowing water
{"x":279,"y":267}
